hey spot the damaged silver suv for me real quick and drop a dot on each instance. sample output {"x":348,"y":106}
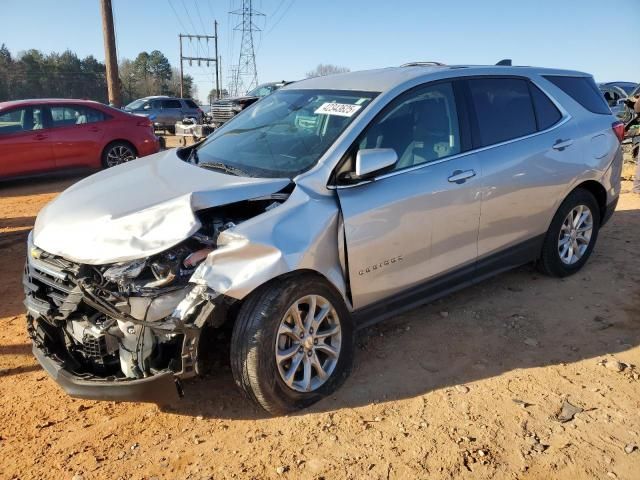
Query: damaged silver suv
{"x":329,"y":205}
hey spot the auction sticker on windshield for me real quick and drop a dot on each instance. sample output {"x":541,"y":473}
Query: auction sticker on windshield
{"x":340,"y":109}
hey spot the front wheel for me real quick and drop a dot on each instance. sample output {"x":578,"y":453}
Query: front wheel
{"x":571,"y":236}
{"x":292,"y":343}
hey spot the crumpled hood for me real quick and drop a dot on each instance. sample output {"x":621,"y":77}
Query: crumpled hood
{"x":138,"y":209}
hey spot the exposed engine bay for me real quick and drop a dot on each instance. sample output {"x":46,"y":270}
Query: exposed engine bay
{"x":134,"y":319}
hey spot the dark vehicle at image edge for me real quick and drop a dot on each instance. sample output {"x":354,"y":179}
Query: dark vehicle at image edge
{"x":225,"y":109}
{"x":328,"y":205}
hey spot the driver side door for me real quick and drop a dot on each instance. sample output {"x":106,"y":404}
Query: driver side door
{"x":419,"y":220}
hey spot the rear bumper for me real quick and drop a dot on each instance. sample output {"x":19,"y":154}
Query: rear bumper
{"x":162,"y":388}
{"x":148,"y":146}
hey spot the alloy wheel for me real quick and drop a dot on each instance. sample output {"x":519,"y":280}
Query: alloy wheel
{"x":119,"y":154}
{"x":575,"y":234}
{"x":308,"y":343}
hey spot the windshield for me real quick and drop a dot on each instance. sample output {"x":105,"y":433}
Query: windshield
{"x":135,"y":105}
{"x":283,"y":134}
{"x":261,"y":91}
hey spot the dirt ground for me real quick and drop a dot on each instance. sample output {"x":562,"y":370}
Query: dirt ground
{"x":469,"y":386}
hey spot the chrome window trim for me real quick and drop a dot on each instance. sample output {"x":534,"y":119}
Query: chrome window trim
{"x":566,"y":116}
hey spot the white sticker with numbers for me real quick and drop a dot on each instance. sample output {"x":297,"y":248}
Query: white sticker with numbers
{"x":340,"y":109}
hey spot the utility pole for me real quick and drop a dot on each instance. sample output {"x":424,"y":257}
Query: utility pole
{"x":247,"y":60}
{"x":110,"y":54}
{"x":215,"y":33}
{"x":197,"y":59}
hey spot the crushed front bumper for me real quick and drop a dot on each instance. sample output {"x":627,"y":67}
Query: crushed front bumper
{"x":161,"y":388}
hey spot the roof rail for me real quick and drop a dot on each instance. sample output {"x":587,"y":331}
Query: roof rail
{"x":505,"y":63}
{"x":423,"y":64}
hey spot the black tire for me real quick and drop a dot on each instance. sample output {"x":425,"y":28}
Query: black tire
{"x":106,"y":162}
{"x":254,"y":337}
{"x":550,"y":262}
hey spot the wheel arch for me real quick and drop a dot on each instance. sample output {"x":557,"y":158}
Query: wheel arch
{"x":119,"y":140}
{"x":598,"y":191}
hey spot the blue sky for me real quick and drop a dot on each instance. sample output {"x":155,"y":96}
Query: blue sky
{"x":588,"y":35}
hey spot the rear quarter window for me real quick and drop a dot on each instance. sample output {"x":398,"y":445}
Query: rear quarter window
{"x":547,"y":114}
{"x":191,"y":104}
{"x":583,"y":90}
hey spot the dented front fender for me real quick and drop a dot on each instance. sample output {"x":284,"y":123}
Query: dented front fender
{"x":301,"y":234}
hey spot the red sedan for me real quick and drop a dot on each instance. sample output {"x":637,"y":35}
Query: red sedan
{"x":42,"y":135}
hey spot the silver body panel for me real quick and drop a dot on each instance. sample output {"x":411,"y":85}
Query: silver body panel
{"x":418,"y":215}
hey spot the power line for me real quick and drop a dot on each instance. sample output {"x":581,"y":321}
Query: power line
{"x":204,"y":30}
{"x":177,"y":17}
{"x":279,"y":19}
{"x":189,"y":17}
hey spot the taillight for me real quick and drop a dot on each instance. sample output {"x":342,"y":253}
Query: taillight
{"x":144,"y":123}
{"x":618,"y":129}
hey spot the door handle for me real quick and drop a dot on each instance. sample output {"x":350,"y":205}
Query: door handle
{"x":94,"y":129}
{"x":562,"y":144}
{"x":41,"y":136}
{"x":460,"y":176}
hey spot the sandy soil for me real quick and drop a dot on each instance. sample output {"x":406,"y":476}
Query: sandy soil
{"x":466,"y":387}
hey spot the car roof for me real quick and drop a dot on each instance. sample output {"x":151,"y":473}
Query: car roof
{"x":384,"y":79}
{"x":47,"y":101}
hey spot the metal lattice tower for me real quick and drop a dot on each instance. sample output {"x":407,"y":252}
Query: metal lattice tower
{"x":245,"y":75}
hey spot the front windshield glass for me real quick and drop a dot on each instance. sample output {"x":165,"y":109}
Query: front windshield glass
{"x":261,"y":91}
{"x":135,"y":105}
{"x":283,"y":134}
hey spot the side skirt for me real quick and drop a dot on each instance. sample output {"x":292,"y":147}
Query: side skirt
{"x":450,"y":282}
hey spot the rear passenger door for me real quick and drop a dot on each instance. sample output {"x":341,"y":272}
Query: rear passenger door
{"x":77,"y":132}
{"x":171,"y":112}
{"x":524,"y":146}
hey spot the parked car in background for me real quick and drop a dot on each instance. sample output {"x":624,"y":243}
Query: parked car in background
{"x":333,"y":203}
{"x":165,"y":111}
{"x":615,"y":97}
{"x":52,"y":134}
{"x":628,"y":87}
{"x":224,"y":109}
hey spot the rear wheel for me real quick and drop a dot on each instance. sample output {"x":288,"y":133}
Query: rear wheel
{"x":571,"y":236}
{"x":116,"y":153}
{"x":292,"y":343}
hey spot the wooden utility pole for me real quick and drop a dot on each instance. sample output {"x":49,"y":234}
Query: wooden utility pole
{"x":196,"y":59}
{"x":110,"y":54}
{"x":215,"y":33}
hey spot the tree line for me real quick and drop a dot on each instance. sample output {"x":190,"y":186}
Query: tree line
{"x":33,"y":74}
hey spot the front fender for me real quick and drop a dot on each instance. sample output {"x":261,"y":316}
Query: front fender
{"x":300,"y":234}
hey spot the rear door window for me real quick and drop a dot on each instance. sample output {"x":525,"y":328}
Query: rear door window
{"x":583,"y":90}
{"x":171,"y":104}
{"x":547,"y":114}
{"x":67,"y":115}
{"x":503,"y":109}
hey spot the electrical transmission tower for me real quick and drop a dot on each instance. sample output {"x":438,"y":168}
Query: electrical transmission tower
{"x":245,"y":75}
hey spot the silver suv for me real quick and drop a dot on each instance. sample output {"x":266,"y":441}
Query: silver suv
{"x":329,"y":205}
{"x":164,"y":111}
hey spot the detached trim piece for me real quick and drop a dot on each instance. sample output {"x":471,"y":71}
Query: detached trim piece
{"x":161,"y":388}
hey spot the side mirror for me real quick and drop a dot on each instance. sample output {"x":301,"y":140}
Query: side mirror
{"x":370,"y":161}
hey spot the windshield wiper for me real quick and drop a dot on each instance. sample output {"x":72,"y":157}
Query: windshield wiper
{"x":225,"y":168}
